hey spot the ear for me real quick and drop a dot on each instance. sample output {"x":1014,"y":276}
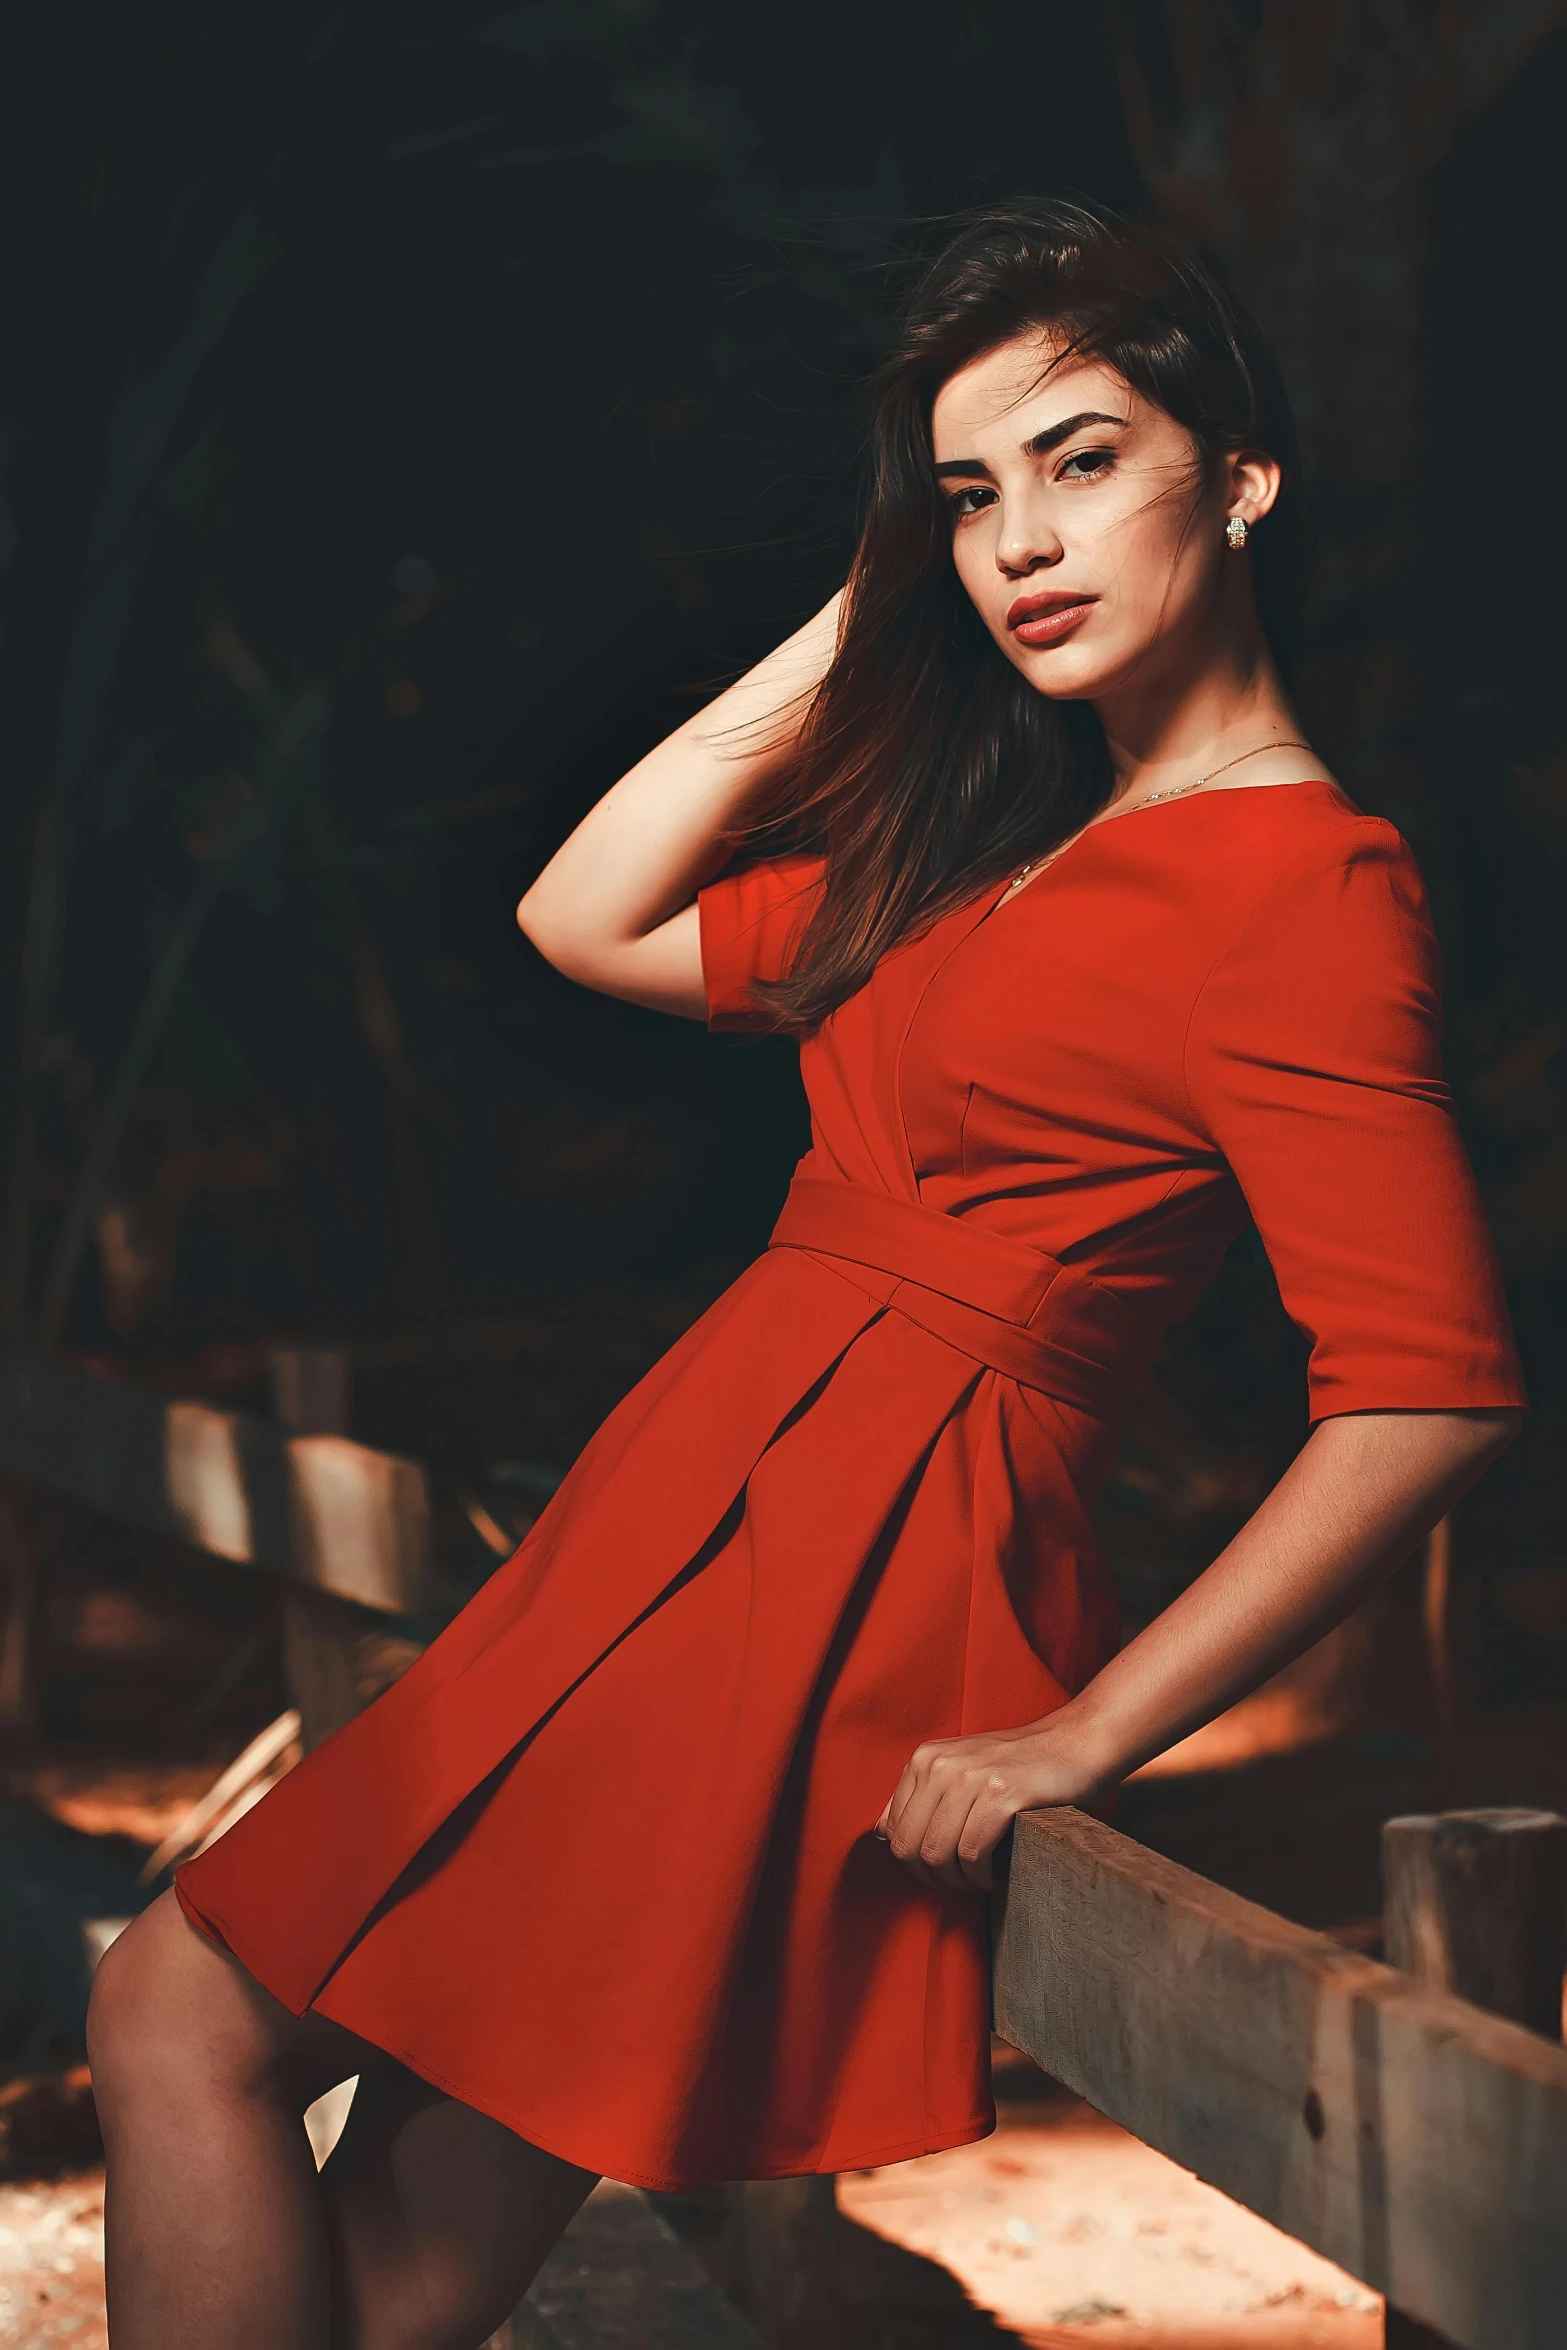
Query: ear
{"x":1253,"y":483}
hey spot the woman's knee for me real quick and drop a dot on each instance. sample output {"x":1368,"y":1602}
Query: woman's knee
{"x":167,"y":2004}
{"x":173,"y":2015}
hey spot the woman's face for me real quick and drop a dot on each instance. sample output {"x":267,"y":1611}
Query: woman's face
{"x":1087,"y":526}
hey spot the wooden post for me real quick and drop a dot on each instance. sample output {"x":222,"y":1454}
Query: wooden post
{"x":323,"y":1636}
{"x":619,"y":2279}
{"x":1476,"y":1904}
{"x":783,"y":2260}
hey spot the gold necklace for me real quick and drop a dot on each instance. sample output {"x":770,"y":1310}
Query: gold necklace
{"x":1175,"y":791}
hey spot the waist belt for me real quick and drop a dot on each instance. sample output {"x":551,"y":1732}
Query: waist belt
{"x":1002,"y":1303}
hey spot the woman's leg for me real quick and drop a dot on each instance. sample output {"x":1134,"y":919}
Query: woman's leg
{"x":218,"y":2230}
{"x":438,"y":2218}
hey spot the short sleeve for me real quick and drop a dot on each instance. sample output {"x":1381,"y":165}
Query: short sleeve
{"x":1314,"y":1063}
{"x":749,"y":922}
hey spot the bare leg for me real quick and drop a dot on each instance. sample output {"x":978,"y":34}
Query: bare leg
{"x":218,"y":2228}
{"x":439,"y":2218}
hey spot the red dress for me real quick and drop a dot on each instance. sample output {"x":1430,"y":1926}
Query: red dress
{"x":601,"y":1863}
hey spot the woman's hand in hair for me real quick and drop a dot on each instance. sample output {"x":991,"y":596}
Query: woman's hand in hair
{"x":615,"y":907}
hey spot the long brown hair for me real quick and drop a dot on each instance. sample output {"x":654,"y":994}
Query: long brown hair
{"x":927,"y":765}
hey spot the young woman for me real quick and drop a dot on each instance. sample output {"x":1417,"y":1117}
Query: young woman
{"x":667,"y":1860}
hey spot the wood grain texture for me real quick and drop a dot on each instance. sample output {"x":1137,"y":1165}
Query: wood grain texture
{"x":1416,"y":2141}
{"x":328,"y":1512}
{"x":1477,"y":1905}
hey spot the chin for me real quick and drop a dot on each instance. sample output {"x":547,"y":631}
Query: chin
{"x":1065,"y":674}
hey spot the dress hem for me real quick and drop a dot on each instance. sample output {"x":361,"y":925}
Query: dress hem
{"x":665,"y":2182}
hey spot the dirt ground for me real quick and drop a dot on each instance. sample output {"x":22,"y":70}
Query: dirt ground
{"x":1071,"y":2232}
{"x":51,"y":2262}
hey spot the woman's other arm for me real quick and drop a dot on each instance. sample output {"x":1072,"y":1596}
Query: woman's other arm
{"x":1356,"y":1500}
{"x":616,"y":905}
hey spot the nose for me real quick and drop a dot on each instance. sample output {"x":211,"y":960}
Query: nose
{"x":1027,"y":541}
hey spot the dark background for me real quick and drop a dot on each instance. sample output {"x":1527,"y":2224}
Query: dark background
{"x":409,"y":414}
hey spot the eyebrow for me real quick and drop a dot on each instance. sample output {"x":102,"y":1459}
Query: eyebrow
{"x":1039,"y":445}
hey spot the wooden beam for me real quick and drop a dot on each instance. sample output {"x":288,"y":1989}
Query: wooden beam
{"x":1477,"y":1905}
{"x":326,"y":1511}
{"x":1414,"y":2140}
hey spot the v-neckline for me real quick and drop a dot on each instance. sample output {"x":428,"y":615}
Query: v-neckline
{"x":1006,"y":890}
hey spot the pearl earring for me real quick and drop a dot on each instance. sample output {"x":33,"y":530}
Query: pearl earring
{"x":1235,"y":531}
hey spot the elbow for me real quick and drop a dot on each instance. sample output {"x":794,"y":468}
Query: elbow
{"x":528,"y":916}
{"x":542,"y":929}
{"x":559,"y":940}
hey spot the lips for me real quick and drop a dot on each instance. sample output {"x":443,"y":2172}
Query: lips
{"x":1044,"y":619}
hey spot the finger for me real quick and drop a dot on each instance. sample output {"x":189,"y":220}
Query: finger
{"x":895,"y":1805}
{"x":906,"y":1828}
{"x":985,"y":1830}
{"x":976,"y":1826}
{"x":914,"y":1780}
{"x":944,"y":1832}
{"x":913,"y":1800}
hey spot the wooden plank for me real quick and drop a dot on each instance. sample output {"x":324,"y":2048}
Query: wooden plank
{"x":328,"y":1512}
{"x":1416,"y":2141}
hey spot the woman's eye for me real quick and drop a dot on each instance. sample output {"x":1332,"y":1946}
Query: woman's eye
{"x":968,"y":501}
{"x":1087,"y":464}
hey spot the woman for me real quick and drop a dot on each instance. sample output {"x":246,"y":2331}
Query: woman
{"x":666,"y":1860}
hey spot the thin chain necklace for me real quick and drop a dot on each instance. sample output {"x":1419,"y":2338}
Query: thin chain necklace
{"x":1175,"y":791}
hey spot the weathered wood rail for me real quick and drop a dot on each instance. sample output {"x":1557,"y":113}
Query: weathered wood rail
{"x":1414,"y":2139}
{"x":318,"y":1508}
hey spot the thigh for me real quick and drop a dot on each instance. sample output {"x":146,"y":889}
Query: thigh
{"x":169,"y":2000}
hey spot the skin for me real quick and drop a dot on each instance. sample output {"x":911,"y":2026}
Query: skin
{"x":423,"y":2231}
{"x":430,"y":2219}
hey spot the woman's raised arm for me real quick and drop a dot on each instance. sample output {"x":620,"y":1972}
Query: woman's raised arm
{"x":615,"y":906}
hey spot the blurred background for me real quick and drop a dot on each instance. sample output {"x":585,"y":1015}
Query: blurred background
{"x":408,"y":415}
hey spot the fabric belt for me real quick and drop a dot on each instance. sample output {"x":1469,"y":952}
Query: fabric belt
{"x":1000,"y":1302}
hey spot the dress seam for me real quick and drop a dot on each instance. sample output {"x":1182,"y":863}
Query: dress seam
{"x":977,"y":909}
{"x":1277,"y":884}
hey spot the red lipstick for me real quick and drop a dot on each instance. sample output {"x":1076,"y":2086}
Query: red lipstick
{"x":1044,"y":618}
